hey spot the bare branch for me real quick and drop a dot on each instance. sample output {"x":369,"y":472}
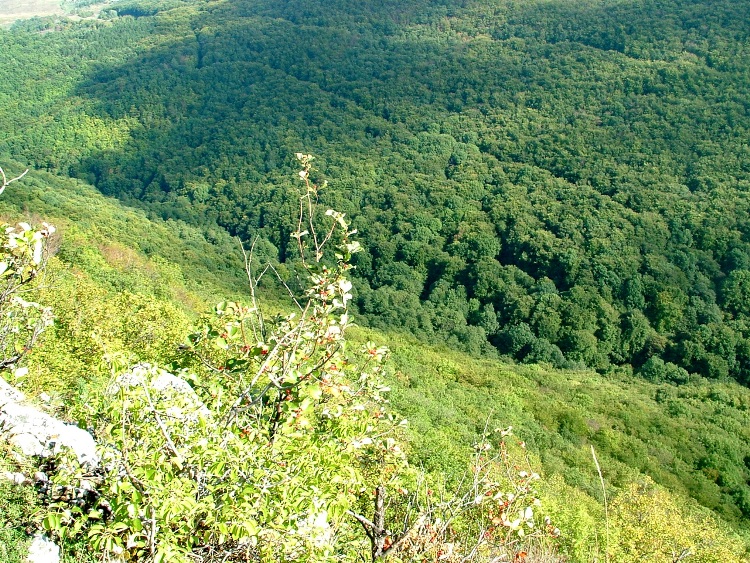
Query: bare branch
{"x":6,"y":182}
{"x":248,"y":257}
{"x":415,"y":526}
{"x":170,"y":444}
{"x":366,"y":524}
{"x":288,"y":290}
{"x":606,"y":508}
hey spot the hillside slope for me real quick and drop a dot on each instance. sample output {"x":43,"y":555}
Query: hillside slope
{"x":557,"y":184}
{"x":125,"y":285}
{"x":560,"y":182}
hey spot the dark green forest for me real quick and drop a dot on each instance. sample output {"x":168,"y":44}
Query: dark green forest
{"x":541,"y":182}
{"x":557,"y":182}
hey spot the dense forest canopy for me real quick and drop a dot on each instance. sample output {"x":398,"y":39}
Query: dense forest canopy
{"x":557,"y":182}
{"x":123,"y":285}
{"x":561,"y":182}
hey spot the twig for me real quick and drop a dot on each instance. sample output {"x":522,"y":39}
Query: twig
{"x":606,"y":508}
{"x":366,"y":524}
{"x":153,"y":533}
{"x":137,"y":483}
{"x":476,"y":547}
{"x":253,"y":283}
{"x":407,"y":533}
{"x":288,"y":290}
{"x":160,"y":423}
{"x":276,"y":383}
{"x":7,"y":182}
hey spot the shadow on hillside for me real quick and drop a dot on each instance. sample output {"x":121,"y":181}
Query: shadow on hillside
{"x":246,"y":85}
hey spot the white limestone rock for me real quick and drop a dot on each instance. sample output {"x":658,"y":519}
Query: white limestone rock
{"x":9,"y":394}
{"x":15,"y":477}
{"x":43,"y":550}
{"x":36,"y":433}
{"x":184,"y":403}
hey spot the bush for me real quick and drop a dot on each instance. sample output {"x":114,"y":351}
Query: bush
{"x":23,"y":256}
{"x":650,"y":525}
{"x":283,"y":448}
{"x":16,"y":515}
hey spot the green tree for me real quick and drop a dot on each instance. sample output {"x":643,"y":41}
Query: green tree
{"x":23,"y":256}
{"x":736,"y":293}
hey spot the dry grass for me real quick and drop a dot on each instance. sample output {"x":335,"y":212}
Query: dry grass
{"x":12,"y":10}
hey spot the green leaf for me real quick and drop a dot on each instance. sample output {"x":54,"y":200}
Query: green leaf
{"x":52,"y":522}
{"x":315,"y":391}
{"x":94,"y":515}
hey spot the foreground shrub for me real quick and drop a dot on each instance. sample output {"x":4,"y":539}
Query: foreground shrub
{"x":276,"y":443}
{"x":650,"y":525}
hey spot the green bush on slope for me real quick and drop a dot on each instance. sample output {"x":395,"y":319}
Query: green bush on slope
{"x":446,"y":396}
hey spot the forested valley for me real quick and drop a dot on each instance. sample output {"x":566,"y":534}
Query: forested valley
{"x":553,"y":183}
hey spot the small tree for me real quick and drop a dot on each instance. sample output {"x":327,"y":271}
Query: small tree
{"x":23,"y":256}
{"x":288,"y":445}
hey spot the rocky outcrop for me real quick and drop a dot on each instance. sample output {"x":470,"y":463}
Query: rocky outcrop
{"x":35,"y":433}
{"x":165,"y":388}
{"x":43,"y":550}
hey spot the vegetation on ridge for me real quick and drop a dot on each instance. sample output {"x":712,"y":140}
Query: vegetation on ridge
{"x":449,"y":400}
{"x":550,"y":182}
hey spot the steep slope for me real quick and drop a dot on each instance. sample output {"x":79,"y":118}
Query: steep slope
{"x":126,"y":286}
{"x":552,"y":181}
{"x":561,"y":183}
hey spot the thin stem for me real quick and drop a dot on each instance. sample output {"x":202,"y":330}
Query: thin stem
{"x":248,"y":256}
{"x":288,"y":290}
{"x":6,"y":182}
{"x":310,"y":212}
{"x":606,"y":508}
{"x":170,"y":444}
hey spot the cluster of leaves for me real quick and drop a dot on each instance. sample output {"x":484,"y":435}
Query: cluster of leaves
{"x":273,"y":454}
{"x":505,"y":517}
